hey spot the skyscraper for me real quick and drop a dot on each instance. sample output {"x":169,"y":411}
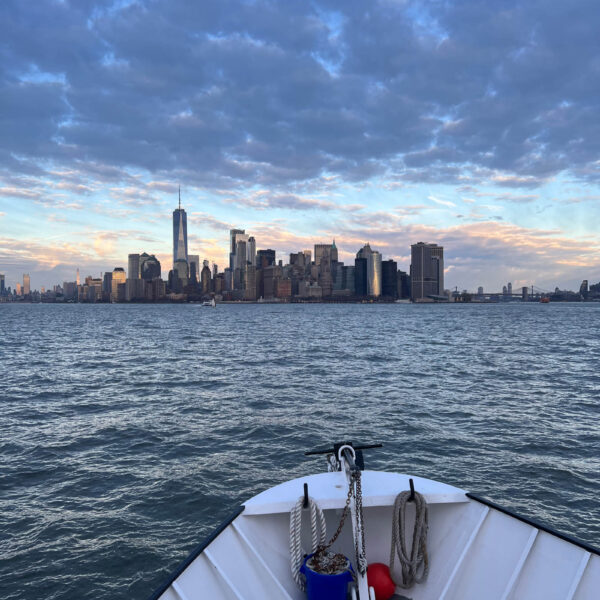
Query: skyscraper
{"x":133,"y":266}
{"x":117,"y":292}
{"x":360,"y":276}
{"x":2,"y":284}
{"x":251,"y":251}
{"x":180,"y":244}
{"x":194,"y":259}
{"x":241,"y":251}
{"x":205,"y":278}
{"x":373,"y":258}
{"x":26,"y":284}
{"x":389,"y":278}
{"x":232,"y":234}
{"x":329,"y":249}
{"x":149,"y":267}
{"x":426,"y":270}
{"x":265,"y":258}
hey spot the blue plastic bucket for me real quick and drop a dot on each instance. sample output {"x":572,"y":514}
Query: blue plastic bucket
{"x":326,"y":587}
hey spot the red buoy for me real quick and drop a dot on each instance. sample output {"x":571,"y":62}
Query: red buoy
{"x":378,"y":576}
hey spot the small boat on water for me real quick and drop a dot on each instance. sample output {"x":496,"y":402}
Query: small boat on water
{"x":210,"y":303}
{"x":463,"y":546}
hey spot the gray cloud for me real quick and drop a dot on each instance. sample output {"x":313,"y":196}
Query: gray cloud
{"x":226,"y":93}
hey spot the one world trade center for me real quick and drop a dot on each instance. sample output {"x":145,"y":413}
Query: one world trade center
{"x":180,"y":244}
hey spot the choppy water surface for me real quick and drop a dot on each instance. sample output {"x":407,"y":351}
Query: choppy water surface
{"x":128,"y":432}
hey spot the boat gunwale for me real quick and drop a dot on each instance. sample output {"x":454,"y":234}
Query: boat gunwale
{"x":563,"y":536}
{"x":196,"y":552}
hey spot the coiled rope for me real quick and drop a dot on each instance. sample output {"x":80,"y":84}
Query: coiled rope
{"x":318,"y":536}
{"x":416,"y":566}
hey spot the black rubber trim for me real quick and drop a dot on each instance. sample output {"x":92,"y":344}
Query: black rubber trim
{"x":540,"y":526}
{"x":196,"y":552}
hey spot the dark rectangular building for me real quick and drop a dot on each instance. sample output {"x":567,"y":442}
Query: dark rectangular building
{"x":389,"y":278}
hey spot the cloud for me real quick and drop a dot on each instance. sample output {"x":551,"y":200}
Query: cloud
{"x":517,"y":199}
{"x":441,"y":202}
{"x":206,"y":220}
{"x":265,"y":199}
{"x":14,"y":192}
{"x":230,"y":94}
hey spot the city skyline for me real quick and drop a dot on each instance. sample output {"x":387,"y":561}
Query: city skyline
{"x":305,"y":277}
{"x":302,"y":123}
{"x":239,"y":238}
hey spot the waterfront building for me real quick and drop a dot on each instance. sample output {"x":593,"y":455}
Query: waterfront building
{"x":149,"y":267}
{"x":69,"y":290}
{"x":373,"y":264}
{"x":337,"y":276}
{"x":240,"y":257}
{"x":92,"y":290}
{"x":309,"y":290}
{"x":426,"y":270}
{"x":270,"y":276}
{"x":228,"y":279}
{"x":180,"y":241}
{"x":194,"y":278}
{"x":181,"y":272}
{"x":265,"y":258}
{"x":2,"y":285}
{"x":509,"y":288}
{"x":325,"y":249}
{"x":360,"y":276}
{"x":107,"y":286}
{"x":525,"y":293}
{"x":219,"y":283}
{"x":194,"y":264}
{"x":348,"y":282}
{"x":283,"y":288}
{"x":389,"y":278}
{"x":480,"y":291}
{"x":250,"y":292}
{"x":205,"y":279}
{"x":133,"y":266}
{"x":232,"y":241}
{"x":117,"y":291}
{"x":26,"y":284}
{"x":298,"y":259}
{"x":154,"y":290}
{"x":251,"y":251}
{"x":135,"y":289}
{"x":403,"y":284}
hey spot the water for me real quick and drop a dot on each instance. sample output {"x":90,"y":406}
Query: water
{"x":127,"y":432}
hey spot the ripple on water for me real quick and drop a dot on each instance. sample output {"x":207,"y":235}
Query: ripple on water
{"x":119,"y":456}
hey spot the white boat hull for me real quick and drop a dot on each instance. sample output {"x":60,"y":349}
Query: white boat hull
{"x":476,"y":551}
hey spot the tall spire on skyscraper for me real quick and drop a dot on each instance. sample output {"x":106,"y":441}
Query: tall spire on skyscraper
{"x":180,"y":247}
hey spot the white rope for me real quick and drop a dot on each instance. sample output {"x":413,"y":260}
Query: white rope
{"x":317,"y":531}
{"x":416,"y":566}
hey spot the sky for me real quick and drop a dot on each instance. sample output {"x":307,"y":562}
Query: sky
{"x":474,"y":125}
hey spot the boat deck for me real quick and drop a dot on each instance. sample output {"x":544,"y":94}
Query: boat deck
{"x":475,"y":550}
